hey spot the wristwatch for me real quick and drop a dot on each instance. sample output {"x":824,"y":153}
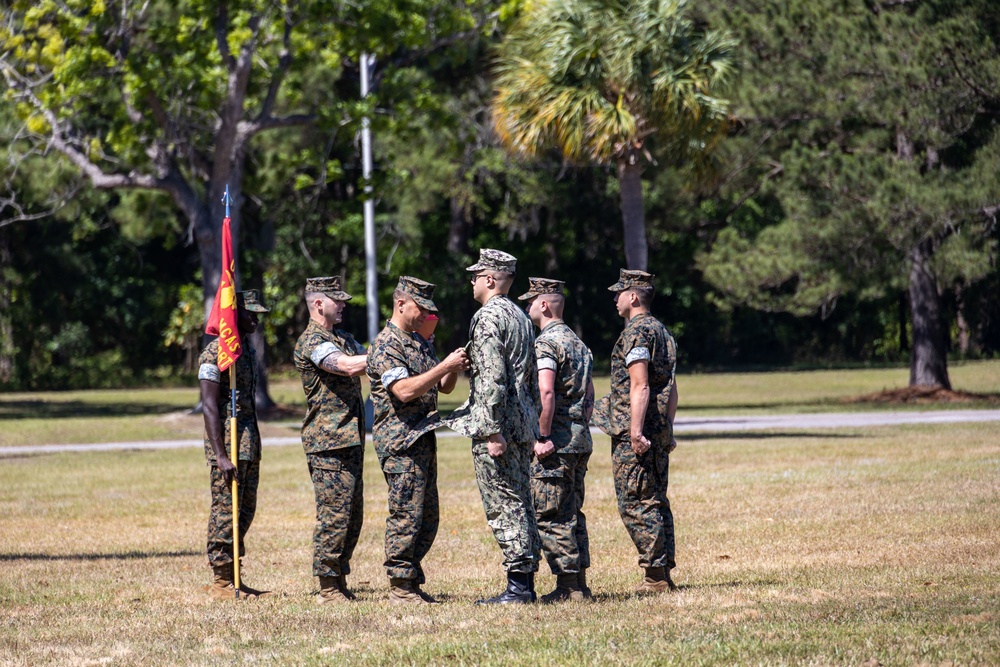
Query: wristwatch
{"x":545,"y":438}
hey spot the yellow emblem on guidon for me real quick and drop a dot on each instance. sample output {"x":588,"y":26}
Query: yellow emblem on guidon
{"x":228,"y":293}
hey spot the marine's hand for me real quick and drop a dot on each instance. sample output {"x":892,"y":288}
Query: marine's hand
{"x":496,"y":445}
{"x":640,"y":444}
{"x":543,"y":449}
{"x":456,"y":361}
{"x":228,"y":470}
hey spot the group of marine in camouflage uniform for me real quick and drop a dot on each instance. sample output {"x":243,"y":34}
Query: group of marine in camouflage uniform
{"x":530,"y":405}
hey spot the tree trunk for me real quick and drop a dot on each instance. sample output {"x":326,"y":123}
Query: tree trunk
{"x":6,"y":327}
{"x":262,"y":399}
{"x":904,"y":343}
{"x":633,"y":215}
{"x":458,"y":229}
{"x":929,"y":358}
{"x":964,"y":333}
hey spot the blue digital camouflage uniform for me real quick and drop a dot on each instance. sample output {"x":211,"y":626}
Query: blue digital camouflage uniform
{"x":641,"y":481}
{"x":406,"y":448}
{"x":220,"y":518}
{"x":557,"y":481}
{"x":333,"y":440}
{"x":503,"y":398}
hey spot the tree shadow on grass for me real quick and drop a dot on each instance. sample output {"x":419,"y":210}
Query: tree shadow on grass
{"x":763,"y":435}
{"x":29,"y":409}
{"x":628,"y":595}
{"x":716,"y":408}
{"x":128,"y":555}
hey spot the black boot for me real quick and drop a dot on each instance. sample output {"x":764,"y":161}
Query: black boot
{"x":518,"y":591}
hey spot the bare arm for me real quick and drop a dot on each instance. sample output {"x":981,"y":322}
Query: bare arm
{"x":214,"y":430}
{"x":448,"y":382}
{"x":671,"y":413}
{"x":547,"y":390}
{"x":414,"y":387}
{"x":638,"y":374}
{"x":672,"y":403}
{"x":588,"y":402}
{"x":349,"y":365}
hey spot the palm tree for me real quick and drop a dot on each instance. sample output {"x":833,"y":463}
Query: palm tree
{"x":600,"y":79}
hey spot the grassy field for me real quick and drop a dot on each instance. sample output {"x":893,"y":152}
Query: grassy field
{"x":859,"y":547}
{"x":159,"y":414}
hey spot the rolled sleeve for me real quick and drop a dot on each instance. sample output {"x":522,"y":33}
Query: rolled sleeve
{"x":547,"y":364}
{"x":394,"y":375}
{"x":209,"y":372}
{"x":322,"y":351}
{"x":637,"y":354}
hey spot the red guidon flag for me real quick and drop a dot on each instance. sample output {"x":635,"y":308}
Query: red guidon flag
{"x":222,"y":321}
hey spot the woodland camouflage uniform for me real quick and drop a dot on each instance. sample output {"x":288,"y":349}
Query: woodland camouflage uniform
{"x":333,"y":440}
{"x":405,"y":441}
{"x":641,"y":481}
{"x":557,"y":481}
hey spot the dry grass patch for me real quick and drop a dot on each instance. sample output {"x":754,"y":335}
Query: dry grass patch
{"x":826,"y":548}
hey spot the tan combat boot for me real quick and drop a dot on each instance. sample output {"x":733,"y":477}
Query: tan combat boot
{"x":567,"y":588}
{"x":404,"y":591}
{"x":581,"y":582}
{"x":224,"y":588}
{"x":330,"y":591}
{"x":657,"y":581}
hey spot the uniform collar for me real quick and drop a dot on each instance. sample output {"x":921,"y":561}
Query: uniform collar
{"x":399,"y":330}
{"x":551,"y":324}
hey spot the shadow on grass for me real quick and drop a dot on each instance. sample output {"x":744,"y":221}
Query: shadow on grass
{"x":128,"y":555}
{"x":73,"y":409}
{"x":622,"y":597}
{"x":764,"y":435}
{"x":765,"y":405}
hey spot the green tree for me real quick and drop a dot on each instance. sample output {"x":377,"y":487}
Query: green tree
{"x":170,"y":98}
{"x":866,"y":160}
{"x":605,"y":81}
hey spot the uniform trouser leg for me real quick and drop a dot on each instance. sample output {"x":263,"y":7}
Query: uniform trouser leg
{"x":337,"y":481}
{"x":641,"y":488}
{"x":220,"y":517}
{"x":582,"y":537}
{"x":414,"y":513}
{"x":505,"y":488}
{"x":557,"y":490}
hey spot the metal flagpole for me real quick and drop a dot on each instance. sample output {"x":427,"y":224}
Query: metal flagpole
{"x":234,"y":453}
{"x":371,"y":278}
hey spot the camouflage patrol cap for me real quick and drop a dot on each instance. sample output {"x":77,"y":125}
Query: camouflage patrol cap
{"x":251,"y":300}
{"x":539,"y":286}
{"x":630,"y":278}
{"x":494,"y":260}
{"x":420,"y":291}
{"x":329,"y":285}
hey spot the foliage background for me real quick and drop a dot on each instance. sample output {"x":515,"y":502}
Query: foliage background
{"x":98,"y":292}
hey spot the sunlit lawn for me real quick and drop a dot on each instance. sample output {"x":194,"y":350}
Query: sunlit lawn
{"x":159,"y":414}
{"x":833,"y":547}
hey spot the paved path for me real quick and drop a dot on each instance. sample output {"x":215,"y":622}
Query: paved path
{"x":803,"y":422}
